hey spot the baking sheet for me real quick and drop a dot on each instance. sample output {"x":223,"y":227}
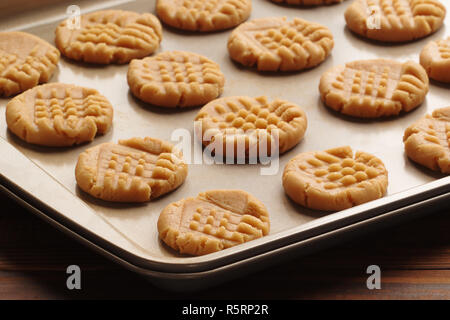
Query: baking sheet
{"x":133,"y":227}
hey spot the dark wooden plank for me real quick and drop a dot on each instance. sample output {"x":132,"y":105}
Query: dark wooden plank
{"x":304,"y":284}
{"x":414,"y":259}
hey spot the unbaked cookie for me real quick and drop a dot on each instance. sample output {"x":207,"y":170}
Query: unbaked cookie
{"x":395,"y":20}
{"x":335,"y":179}
{"x":213,"y":221}
{"x":244,"y":121}
{"x":110,"y":36}
{"x":57,"y":114}
{"x":175,"y":79}
{"x":435,"y":58}
{"x":201,"y":15}
{"x":374,"y":88}
{"x":134,"y":170}
{"x":308,"y":2}
{"x":276,"y":44}
{"x":427,"y":141}
{"x":25,"y":61}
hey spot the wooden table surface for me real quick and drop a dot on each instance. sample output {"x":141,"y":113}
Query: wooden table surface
{"x":414,"y":259}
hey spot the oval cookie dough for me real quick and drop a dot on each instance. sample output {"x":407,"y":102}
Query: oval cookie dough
{"x":243,"y":121}
{"x":276,"y":44}
{"x":109,"y":36}
{"x":212,"y":221}
{"x":435,"y":58}
{"x":134,"y":170}
{"x":335,"y":179}
{"x":395,"y":20}
{"x":58,"y":115}
{"x":175,"y":79}
{"x":427,"y":141}
{"x":374,"y":88}
{"x":204,"y":16}
{"x":25,"y":61}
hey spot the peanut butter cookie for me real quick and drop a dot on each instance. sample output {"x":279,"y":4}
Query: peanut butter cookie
{"x":244,"y":121}
{"x":213,"y":221}
{"x":276,"y":44}
{"x":374,"y":88}
{"x":204,"y":16}
{"x":58,"y":115}
{"x":435,"y":58}
{"x":175,"y":79}
{"x":134,"y":170}
{"x":25,"y":62}
{"x":110,"y":36}
{"x":335,"y":179}
{"x":427,"y":141}
{"x":395,"y":20}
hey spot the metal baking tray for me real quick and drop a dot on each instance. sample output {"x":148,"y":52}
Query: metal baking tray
{"x":43,"y":178}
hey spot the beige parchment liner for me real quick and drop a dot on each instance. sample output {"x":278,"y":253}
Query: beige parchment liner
{"x":137,"y":223}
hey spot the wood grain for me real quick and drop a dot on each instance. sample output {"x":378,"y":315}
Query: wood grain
{"x":414,"y":259}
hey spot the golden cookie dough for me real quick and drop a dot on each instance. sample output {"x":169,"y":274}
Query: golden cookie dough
{"x":427,"y":141}
{"x":395,"y":20}
{"x":134,"y":170}
{"x":175,"y":79}
{"x":244,"y":121}
{"x":57,"y":115}
{"x":204,"y":16}
{"x":335,"y":179}
{"x":110,"y":36}
{"x":374,"y":88}
{"x":435,"y":58}
{"x":276,"y":44}
{"x":307,"y":2}
{"x":213,"y":221}
{"x":25,"y":62}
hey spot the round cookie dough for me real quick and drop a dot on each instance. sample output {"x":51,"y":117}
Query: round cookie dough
{"x":175,"y":79}
{"x":58,"y":115}
{"x":427,"y":141}
{"x":204,"y":16}
{"x":212,"y":221}
{"x":25,"y":62}
{"x":109,"y":36}
{"x":244,"y":121}
{"x":276,"y":44}
{"x":335,"y":179}
{"x":435,"y":58}
{"x":395,"y":20}
{"x":134,"y":170}
{"x":374,"y":88}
